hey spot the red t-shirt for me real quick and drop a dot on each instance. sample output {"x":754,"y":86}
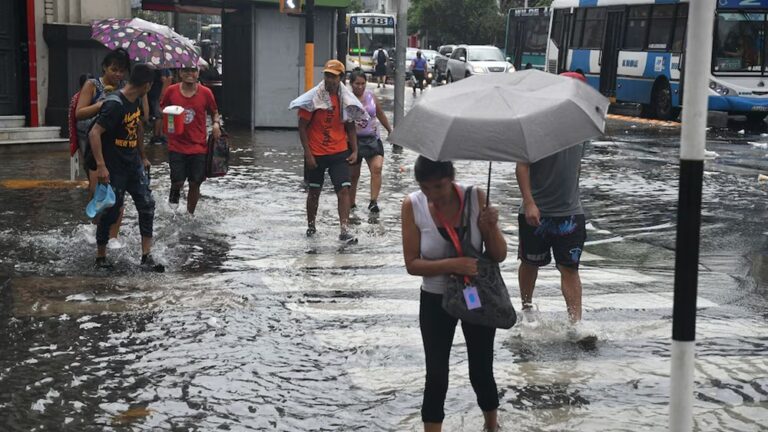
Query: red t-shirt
{"x":326,"y":131}
{"x":194,"y":139}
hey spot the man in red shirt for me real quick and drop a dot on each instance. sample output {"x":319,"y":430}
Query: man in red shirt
{"x":330,"y":144}
{"x":187,"y":151}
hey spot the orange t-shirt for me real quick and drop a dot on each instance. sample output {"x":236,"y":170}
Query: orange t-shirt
{"x":326,"y":131}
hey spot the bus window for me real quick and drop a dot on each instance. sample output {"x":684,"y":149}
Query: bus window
{"x":578,"y":27}
{"x":593,"y":28}
{"x":738,"y":42}
{"x":660,"y":32}
{"x":680,"y":25}
{"x":536,"y":39}
{"x":637,"y":26}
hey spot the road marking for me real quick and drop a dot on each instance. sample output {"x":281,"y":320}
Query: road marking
{"x":640,"y":120}
{"x":43,"y":184}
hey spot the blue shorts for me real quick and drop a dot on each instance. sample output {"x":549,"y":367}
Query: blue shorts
{"x":562,"y":237}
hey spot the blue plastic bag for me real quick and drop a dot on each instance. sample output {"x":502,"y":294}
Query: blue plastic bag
{"x":103,"y":198}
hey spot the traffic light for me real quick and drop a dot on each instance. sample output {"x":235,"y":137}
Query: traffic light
{"x":290,"y":6}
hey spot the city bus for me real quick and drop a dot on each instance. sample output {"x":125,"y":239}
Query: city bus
{"x":526,"y":41}
{"x":633,"y":51}
{"x":366,"y":32}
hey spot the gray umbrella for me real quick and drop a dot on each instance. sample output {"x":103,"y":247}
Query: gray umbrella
{"x":518,"y":117}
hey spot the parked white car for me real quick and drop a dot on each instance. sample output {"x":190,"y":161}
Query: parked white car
{"x":468,"y":60}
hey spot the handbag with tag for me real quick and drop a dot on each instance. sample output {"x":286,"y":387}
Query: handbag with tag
{"x":482,"y":299}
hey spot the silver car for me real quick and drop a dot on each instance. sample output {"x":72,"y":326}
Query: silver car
{"x":468,"y":60}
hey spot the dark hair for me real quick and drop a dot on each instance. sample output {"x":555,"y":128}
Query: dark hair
{"x":142,"y":73}
{"x":83,"y":78}
{"x":357,"y":73}
{"x":426,"y":169}
{"x":118,"y":57}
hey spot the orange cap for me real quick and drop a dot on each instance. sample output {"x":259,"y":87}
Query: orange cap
{"x":334,"y":66}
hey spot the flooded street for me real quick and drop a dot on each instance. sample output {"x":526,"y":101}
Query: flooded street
{"x":256,"y":327}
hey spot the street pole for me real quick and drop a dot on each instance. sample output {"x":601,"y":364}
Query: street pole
{"x":401,"y":40}
{"x":309,"y":44}
{"x":698,"y":57}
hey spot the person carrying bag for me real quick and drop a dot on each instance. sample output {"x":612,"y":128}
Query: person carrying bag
{"x":482,"y":299}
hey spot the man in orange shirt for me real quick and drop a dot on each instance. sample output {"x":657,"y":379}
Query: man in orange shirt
{"x":330,"y":144}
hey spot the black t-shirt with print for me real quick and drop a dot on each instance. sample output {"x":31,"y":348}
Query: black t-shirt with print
{"x":120,"y":140}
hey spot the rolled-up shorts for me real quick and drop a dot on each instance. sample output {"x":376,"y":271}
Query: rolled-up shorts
{"x":338,"y":169}
{"x":562,"y":237}
{"x":368,"y":147}
{"x":187,"y":167}
{"x":381,"y":70}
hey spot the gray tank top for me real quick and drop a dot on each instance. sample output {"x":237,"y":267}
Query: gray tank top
{"x":555,"y":183}
{"x":433,"y":245}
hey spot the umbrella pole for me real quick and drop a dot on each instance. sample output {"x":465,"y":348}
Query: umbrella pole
{"x":488,"y":190}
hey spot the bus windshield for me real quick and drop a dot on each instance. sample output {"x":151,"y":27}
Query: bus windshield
{"x":365,"y":40}
{"x":485,"y":54}
{"x":740,"y":42}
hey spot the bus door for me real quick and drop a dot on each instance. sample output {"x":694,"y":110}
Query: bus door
{"x":562,"y":37}
{"x":520,"y":32}
{"x":609,"y":56}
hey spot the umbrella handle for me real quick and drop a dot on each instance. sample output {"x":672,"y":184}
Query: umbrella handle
{"x":488,"y":190}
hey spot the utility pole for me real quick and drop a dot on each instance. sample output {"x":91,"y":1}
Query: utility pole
{"x":693,"y":136}
{"x":309,"y":44}
{"x":401,"y":40}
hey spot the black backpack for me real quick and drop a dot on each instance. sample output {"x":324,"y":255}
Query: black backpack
{"x":381,"y":58}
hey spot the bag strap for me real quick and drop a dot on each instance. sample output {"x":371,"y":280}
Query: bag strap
{"x":451,"y":230}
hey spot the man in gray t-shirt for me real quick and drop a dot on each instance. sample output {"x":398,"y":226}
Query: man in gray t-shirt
{"x":551,"y":223}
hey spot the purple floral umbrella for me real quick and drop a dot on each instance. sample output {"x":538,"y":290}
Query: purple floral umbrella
{"x":146,"y":42}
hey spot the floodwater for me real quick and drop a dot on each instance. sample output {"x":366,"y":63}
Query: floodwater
{"x":256,"y":327}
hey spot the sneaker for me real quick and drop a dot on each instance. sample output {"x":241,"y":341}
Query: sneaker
{"x":373,"y":207}
{"x":115,"y":244}
{"x":347,"y":238}
{"x":530,"y":315}
{"x":148,"y":264}
{"x":311,"y":230}
{"x":103,"y":264}
{"x":173,"y":197}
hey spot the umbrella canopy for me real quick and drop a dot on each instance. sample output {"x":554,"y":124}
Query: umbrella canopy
{"x":146,"y":42}
{"x":518,"y":117}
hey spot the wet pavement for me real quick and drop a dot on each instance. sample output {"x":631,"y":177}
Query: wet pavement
{"x":256,"y":327}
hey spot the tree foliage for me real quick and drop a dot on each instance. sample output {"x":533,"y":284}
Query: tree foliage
{"x":456,"y":21}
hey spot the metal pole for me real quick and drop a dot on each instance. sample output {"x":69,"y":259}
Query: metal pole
{"x":34,"y":117}
{"x":309,"y":45}
{"x":701,"y":17}
{"x":401,"y":40}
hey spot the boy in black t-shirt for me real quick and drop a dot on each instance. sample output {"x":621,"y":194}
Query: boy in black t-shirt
{"x":118,"y":149}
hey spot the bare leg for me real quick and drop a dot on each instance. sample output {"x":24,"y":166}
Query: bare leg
{"x":570,"y":283}
{"x":375,"y":165}
{"x":343,"y":196}
{"x":491,"y":420}
{"x":313,"y":199}
{"x":526,"y":277}
{"x":354,"y":172}
{"x":101,"y":251}
{"x":146,"y":245}
{"x":193,"y":196}
{"x":114,"y":229}
{"x":93,"y":180}
{"x":433,"y":427}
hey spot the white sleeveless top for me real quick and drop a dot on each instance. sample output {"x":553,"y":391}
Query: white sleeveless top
{"x":434,"y":246}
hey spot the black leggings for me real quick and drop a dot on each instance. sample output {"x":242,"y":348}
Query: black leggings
{"x":437,"y":329}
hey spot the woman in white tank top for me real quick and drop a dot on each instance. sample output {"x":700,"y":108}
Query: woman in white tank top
{"x":429,"y":253}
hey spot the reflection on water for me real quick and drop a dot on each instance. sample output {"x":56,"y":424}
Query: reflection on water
{"x":256,"y":327}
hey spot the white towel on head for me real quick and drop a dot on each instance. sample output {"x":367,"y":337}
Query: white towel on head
{"x":318,"y":98}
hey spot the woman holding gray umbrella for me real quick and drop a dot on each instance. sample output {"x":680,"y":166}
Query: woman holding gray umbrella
{"x":429,"y":252}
